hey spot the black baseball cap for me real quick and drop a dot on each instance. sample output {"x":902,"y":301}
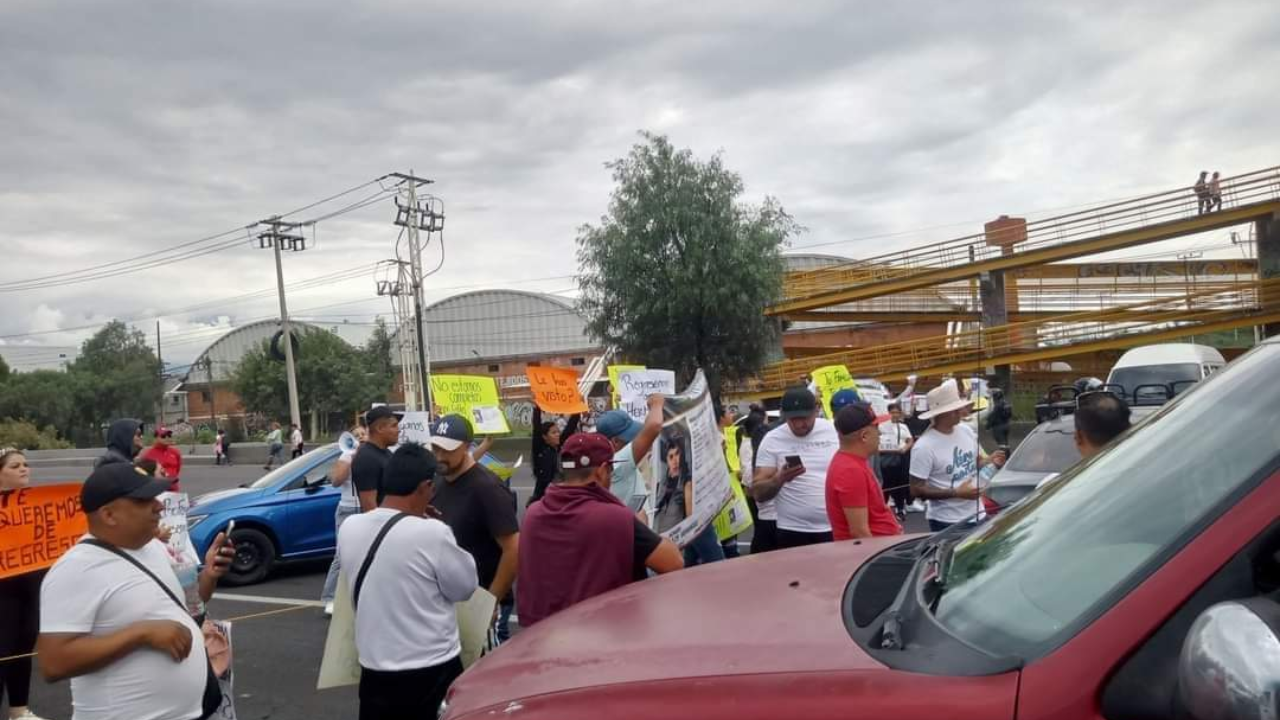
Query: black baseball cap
{"x":410,"y":466}
{"x":798,"y":402}
{"x":451,"y":433}
{"x":378,"y":413}
{"x":117,"y":480}
{"x":856,"y":416}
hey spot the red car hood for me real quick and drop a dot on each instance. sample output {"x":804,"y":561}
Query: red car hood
{"x":769,"y":613}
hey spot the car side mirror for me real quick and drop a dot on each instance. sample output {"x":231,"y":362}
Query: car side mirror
{"x":1230,"y":662}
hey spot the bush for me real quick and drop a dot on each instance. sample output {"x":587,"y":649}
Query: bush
{"x":26,"y":436}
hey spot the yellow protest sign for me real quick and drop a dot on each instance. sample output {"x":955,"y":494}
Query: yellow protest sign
{"x":830,"y":380}
{"x":735,"y":518}
{"x":38,"y":525}
{"x":615,"y":383}
{"x":731,"y":449}
{"x":474,"y":397}
{"x":555,"y":390}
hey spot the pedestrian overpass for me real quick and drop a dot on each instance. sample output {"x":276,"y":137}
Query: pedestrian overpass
{"x":1116,"y":226}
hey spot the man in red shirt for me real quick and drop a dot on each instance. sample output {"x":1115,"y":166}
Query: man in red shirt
{"x":855,"y":502}
{"x":167,"y":456}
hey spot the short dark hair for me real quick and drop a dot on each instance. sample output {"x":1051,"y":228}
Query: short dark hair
{"x":410,"y":466}
{"x":1101,"y":417}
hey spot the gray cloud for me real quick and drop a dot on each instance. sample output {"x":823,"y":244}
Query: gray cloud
{"x":132,"y":126}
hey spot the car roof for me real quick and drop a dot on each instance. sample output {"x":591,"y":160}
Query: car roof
{"x":1168,"y":354}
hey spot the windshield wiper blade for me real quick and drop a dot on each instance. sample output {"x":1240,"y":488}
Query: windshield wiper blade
{"x":891,"y":632}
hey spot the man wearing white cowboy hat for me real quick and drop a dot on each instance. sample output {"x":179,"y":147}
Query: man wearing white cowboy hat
{"x":945,"y":461}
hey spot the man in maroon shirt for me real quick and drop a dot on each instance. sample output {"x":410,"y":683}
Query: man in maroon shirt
{"x":580,"y":541}
{"x":855,"y":502}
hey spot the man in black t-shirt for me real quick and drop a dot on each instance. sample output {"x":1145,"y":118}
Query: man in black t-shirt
{"x":373,"y":456}
{"x":477,"y":506}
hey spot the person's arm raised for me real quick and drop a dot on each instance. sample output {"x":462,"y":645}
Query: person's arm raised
{"x":643,"y":443}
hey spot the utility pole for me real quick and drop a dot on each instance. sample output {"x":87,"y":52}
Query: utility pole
{"x":276,"y":238}
{"x":414,"y":215}
{"x":159,"y":378}
{"x":399,"y":290}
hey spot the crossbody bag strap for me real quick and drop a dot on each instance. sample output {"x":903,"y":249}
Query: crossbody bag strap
{"x":368,"y":559}
{"x":136,"y":563}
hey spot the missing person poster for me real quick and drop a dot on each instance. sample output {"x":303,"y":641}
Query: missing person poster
{"x":689,"y":482}
{"x":38,"y":525}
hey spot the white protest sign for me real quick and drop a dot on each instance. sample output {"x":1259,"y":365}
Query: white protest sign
{"x":692,"y":428}
{"x":873,"y":393}
{"x":174,"y":519}
{"x":415,"y":427}
{"x":637,"y":385}
{"x":488,"y":420}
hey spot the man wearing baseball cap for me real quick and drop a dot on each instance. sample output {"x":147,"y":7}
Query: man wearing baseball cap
{"x":383,"y":428}
{"x":112,"y":615}
{"x":580,"y":541}
{"x":791,"y":467}
{"x":476,"y":506}
{"x":631,"y":442}
{"x":855,"y":502}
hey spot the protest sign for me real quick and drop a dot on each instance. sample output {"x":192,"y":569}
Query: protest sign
{"x":614,"y":372}
{"x":830,"y":380}
{"x":874,"y":394}
{"x":635,"y":387}
{"x":690,"y":427}
{"x":340,"y":663}
{"x":217,"y":642}
{"x":38,"y":525}
{"x":735,"y":518}
{"x":474,"y":397}
{"x":174,"y":519}
{"x":415,"y":427}
{"x":555,"y":390}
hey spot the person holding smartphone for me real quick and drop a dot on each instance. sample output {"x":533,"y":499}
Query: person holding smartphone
{"x":791,"y":468}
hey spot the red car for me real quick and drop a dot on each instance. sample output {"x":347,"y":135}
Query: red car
{"x":1077,"y":603}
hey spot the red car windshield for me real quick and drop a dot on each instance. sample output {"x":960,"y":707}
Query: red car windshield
{"x":1033,"y":577}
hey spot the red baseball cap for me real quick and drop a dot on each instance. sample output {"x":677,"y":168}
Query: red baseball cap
{"x":586,"y":450}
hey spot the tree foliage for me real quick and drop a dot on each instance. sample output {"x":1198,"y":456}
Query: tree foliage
{"x":25,"y":435}
{"x":677,"y":273}
{"x":118,"y":373}
{"x":332,"y":377}
{"x":4,"y":371}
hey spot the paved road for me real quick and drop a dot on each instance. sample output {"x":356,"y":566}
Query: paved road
{"x":276,"y":656}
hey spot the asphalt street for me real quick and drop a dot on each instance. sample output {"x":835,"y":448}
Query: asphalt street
{"x":279,"y":627}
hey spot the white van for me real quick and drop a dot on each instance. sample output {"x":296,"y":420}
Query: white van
{"x":1175,"y":365}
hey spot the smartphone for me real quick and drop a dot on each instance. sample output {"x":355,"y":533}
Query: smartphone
{"x":794,"y":461}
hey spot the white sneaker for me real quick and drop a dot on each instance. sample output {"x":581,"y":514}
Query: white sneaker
{"x":915,"y":507}
{"x":328,"y":609}
{"x":28,"y":715}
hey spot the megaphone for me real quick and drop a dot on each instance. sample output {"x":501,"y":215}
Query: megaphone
{"x":347,"y":442}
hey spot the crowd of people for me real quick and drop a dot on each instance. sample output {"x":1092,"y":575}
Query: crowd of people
{"x":421,"y":528}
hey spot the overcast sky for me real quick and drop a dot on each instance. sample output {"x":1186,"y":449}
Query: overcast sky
{"x":132,"y":127}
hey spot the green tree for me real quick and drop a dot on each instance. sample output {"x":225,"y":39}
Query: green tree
{"x":47,"y":399}
{"x":118,"y":373}
{"x":332,"y":377}
{"x":4,"y":370}
{"x":676,"y":274}
{"x":379,"y":355}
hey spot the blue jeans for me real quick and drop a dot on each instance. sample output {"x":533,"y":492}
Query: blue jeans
{"x":704,"y":549}
{"x":331,"y":580}
{"x":503,"y":628}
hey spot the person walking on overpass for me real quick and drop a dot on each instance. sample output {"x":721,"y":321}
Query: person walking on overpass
{"x":1215,"y":193}
{"x":1202,"y":193}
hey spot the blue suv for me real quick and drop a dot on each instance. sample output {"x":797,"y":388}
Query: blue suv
{"x":286,"y":514}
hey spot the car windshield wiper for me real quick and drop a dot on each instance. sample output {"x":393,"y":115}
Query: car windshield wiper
{"x":934,"y":552}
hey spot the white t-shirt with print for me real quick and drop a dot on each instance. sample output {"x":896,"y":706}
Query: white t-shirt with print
{"x":94,"y":591}
{"x":405,"y":619}
{"x":947,"y":462}
{"x":802,"y":503}
{"x":765,"y":509}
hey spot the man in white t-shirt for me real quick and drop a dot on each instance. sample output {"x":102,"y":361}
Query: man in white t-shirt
{"x":406,"y":628}
{"x":791,"y":468}
{"x":945,"y":462}
{"x":128,"y":644}
{"x":348,"y":505}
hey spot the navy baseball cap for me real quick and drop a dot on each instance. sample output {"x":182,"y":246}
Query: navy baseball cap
{"x":451,"y":432}
{"x":798,"y":402}
{"x":618,"y":424}
{"x":117,"y":480}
